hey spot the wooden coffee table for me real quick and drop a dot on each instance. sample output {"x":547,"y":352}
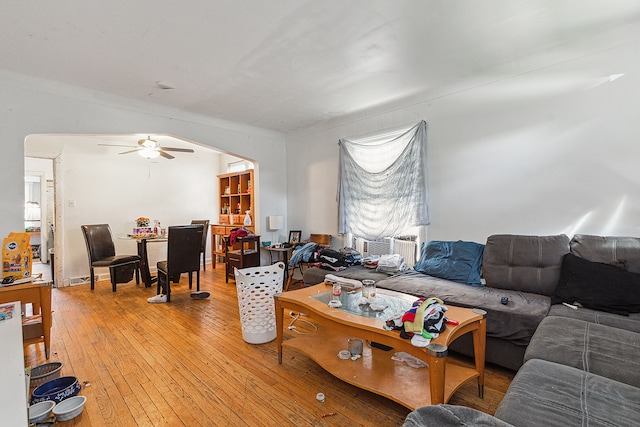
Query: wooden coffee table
{"x":376,"y":371}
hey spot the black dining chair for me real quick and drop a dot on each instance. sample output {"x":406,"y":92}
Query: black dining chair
{"x":183,"y":256}
{"x":205,"y":234}
{"x":102,"y":254}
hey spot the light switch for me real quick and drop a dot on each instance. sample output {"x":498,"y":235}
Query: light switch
{"x":72,"y":203}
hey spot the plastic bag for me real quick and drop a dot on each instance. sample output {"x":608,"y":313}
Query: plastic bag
{"x":410,"y":360}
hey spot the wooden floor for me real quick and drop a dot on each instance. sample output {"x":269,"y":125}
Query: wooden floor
{"x":185,"y":364}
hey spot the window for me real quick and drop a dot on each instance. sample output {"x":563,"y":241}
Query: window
{"x":239,"y":166}
{"x":382,"y":184}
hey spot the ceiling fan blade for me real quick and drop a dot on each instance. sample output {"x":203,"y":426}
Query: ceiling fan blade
{"x":182,"y":150}
{"x":130,"y":151}
{"x":165,"y":155}
{"x":117,"y":145}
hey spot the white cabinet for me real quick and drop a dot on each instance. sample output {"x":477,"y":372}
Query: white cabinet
{"x":13,"y":393}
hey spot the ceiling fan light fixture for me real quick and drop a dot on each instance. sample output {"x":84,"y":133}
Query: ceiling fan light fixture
{"x":149,"y":153}
{"x":148,"y":143}
{"x":151,"y":149}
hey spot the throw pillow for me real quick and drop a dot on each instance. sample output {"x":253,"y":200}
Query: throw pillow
{"x":457,"y":261}
{"x":598,"y":286}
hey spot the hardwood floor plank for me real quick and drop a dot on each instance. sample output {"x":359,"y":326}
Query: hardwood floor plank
{"x":185,"y":364}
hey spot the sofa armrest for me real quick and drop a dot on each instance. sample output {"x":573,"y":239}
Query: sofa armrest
{"x":451,"y":415}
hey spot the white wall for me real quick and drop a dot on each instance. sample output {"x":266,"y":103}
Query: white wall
{"x":554,"y":150}
{"x":116,"y":190}
{"x":29,"y":106}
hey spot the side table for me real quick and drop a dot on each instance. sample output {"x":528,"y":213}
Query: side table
{"x":282,"y":255}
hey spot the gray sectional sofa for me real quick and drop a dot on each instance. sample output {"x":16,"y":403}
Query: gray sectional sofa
{"x":523,"y":269}
{"x":577,"y":364}
{"x":576,"y":373}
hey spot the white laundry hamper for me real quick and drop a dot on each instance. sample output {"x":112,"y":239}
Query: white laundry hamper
{"x":256,"y":287}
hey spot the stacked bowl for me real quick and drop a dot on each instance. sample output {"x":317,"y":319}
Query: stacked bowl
{"x":40,"y":411}
{"x":69,"y":408}
{"x":57,"y":390}
{"x":54,"y":394}
{"x":43,"y":373}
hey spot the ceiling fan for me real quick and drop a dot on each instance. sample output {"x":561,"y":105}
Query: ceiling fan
{"x":150,"y":149}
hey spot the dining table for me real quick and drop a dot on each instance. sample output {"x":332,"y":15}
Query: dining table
{"x":141,"y":242}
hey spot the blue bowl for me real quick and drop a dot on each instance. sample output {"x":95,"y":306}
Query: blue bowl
{"x":56,"y":390}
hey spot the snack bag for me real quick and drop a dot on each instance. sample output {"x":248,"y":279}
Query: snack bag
{"x":16,"y":256}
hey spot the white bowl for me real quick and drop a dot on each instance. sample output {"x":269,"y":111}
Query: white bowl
{"x":69,"y":408}
{"x":40,"y":411}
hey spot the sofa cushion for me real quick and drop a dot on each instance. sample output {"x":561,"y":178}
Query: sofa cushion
{"x":602,"y":350}
{"x":515,"y":321}
{"x":524,"y":263}
{"x":598,"y":286}
{"x":608,"y":249}
{"x":458,"y":261}
{"x":628,"y":323}
{"x":549,"y":394}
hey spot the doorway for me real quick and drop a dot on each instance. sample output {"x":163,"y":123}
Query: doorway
{"x":94,"y":182}
{"x":39,"y":213}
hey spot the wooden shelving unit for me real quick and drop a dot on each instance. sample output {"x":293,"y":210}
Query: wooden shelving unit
{"x":236,"y":198}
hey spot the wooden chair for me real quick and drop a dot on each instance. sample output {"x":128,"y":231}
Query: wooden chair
{"x":102,"y":253}
{"x":183,"y":256}
{"x":205,"y":234}
{"x":245,"y":253}
{"x":38,"y":294}
{"x":322,"y":240}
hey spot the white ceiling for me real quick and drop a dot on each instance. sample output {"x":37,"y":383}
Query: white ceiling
{"x":287,"y":65}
